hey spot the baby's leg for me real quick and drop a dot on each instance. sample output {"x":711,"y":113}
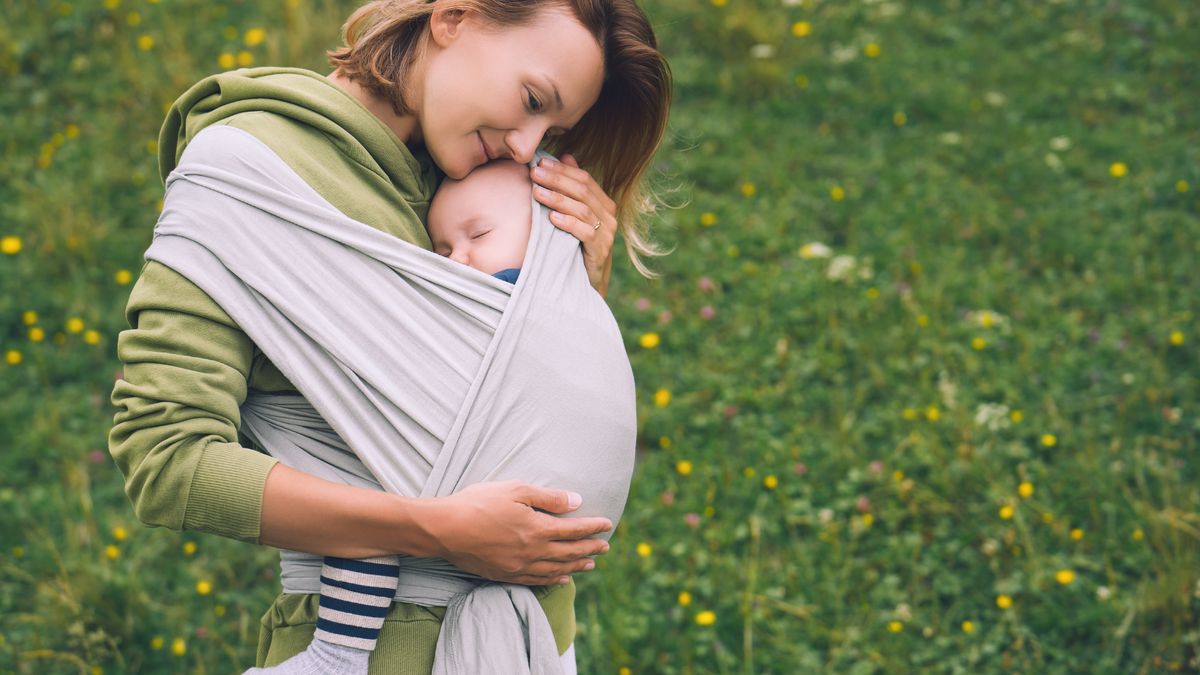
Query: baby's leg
{"x":355,"y":597}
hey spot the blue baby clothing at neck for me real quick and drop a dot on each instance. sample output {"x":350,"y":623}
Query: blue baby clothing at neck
{"x":509,"y":275}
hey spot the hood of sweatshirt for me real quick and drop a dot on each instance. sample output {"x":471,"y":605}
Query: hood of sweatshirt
{"x":309,"y":98}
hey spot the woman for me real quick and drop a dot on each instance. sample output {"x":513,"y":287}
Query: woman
{"x":451,"y":83}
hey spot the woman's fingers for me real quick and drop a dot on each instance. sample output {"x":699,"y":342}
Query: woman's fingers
{"x":583,"y":209}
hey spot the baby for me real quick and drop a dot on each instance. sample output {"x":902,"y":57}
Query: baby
{"x":483,"y":221}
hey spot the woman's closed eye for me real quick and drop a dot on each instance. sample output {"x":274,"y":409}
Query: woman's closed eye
{"x":535,"y":105}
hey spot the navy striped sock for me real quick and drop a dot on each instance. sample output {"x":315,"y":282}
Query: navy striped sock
{"x":355,"y":597}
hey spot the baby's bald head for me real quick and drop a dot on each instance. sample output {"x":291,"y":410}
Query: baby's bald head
{"x":483,"y":220}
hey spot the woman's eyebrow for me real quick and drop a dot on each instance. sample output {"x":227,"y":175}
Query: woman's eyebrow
{"x":554,"y":87}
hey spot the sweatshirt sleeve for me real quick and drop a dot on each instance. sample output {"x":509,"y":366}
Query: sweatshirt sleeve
{"x":175,"y":434}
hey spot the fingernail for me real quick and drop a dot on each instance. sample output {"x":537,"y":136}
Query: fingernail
{"x":591,"y":564}
{"x":574,"y":499}
{"x":542,"y":191}
{"x":539,"y":172}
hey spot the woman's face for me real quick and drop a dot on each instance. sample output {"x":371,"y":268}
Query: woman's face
{"x":493,"y":92}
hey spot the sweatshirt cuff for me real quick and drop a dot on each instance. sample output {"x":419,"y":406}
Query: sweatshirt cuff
{"x":226,"y":493}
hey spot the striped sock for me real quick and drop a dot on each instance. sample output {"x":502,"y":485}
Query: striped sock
{"x":355,"y":597}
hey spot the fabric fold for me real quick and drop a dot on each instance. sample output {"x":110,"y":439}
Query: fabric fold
{"x":416,"y":374}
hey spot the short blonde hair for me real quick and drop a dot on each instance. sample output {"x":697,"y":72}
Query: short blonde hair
{"x":615,"y":140}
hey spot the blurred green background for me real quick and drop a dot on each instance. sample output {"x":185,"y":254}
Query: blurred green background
{"x":917,"y":387}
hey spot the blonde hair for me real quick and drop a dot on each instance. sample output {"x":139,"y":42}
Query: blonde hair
{"x":615,"y":140}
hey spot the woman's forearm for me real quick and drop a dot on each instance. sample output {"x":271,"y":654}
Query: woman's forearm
{"x":301,"y":512}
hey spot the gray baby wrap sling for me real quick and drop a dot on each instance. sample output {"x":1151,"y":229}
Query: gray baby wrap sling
{"x":415,"y":374}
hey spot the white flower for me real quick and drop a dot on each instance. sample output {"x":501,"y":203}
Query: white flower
{"x":1060,"y":143}
{"x":994,"y":99}
{"x":903,"y":612}
{"x":951,"y":138}
{"x":815,"y":250}
{"x":889,"y":9}
{"x":1053,"y":161}
{"x":840,"y":267}
{"x":843,"y":53}
{"x":992,"y":416}
{"x":762,"y":51}
{"x":1103,"y":592}
{"x":825,"y":515}
{"x":989,"y":547}
{"x":988,"y":318}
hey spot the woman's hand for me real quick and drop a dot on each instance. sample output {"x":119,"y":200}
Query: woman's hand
{"x":578,"y":204}
{"x":491,"y":529}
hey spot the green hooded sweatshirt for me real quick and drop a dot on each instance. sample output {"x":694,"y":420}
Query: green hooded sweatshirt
{"x":188,"y":366}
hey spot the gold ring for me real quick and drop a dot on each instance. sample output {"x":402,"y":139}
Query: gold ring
{"x":596,"y":226}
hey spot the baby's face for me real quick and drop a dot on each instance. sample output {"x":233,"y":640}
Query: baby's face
{"x":483,"y":220}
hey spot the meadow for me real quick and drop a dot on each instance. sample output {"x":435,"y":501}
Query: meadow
{"x":917,"y":384}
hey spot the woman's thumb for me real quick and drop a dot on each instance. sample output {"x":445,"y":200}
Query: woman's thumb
{"x":555,"y":501}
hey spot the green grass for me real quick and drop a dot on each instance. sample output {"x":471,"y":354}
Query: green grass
{"x":843,"y":508}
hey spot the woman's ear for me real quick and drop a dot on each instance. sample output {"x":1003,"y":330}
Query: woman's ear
{"x":445,"y":25}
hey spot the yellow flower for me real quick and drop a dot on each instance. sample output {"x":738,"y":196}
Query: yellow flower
{"x":770,"y":482}
{"x":968,"y":627}
{"x":802,"y":81}
{"x":650,"y":340}
{"x":897,"y":475}
{"x":1049,"y":440}
{"x":254,"y":37}
{"x":178,"y":647}
{"x":709,"y":512}
{"x":18,"y":551}
{"x":868,"y":520}
{"x":664,"y":442}
{"x":226,"y":61}
{"x":706,"y":618}
{"x":1025,"y":489}
{"x":74,"y":325}
{"x":909,"y":414}
{"x":922,"y":320}
{"x":30,"y":317}
{"x":203,"y":587}
{"x":872,"y":293}
{"x":801,"y":28}
{"x":145,"y":43}
{"x":748,"y":189}
{"x":10,"y":245}
{"x":685,"y":598}
{"x":837,"y":193}
{"x":683,"y":467}
{"x":112,"y":552}
{"x":708,"y":219}
{"x":748,"y":472}
{"x":662,"y":398}
{"x":1064,"y":576}
{"x":1006,"y":512}
{"x":1176,"y":337}
{"x":12,"y":357}
{"x":719,"y":3}
{"x":189,"y":548}
{"x":871,"y":50}
{"x":133,"y":18}
{"x":1077,"y":534}
{"x":978,"y":343}
{"x":1181,"y":185}
{"x":1118,"y":169}
{"x":157,"y":642}
{"x":112,"y":4}
{"x":37,"y":334}
{"x":119,"y":533}
{"x":899,"y":118}
{"x":123,"y":277}
{"x":92,"y":337}
{"x":933,"y":414}
{"x":1003,"y":601}
{"x":245,"y":59}
{"x":1016,"y":416}
{"x":1138,"y":535}
{"x":624,"y":670}
{"x":1047,"y":517}
{"x":644,"y":550}
{"x":895,"y":626}
{"x":72,"y":130}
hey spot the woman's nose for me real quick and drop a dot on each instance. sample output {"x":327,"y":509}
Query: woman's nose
{"x":523,"y":142}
